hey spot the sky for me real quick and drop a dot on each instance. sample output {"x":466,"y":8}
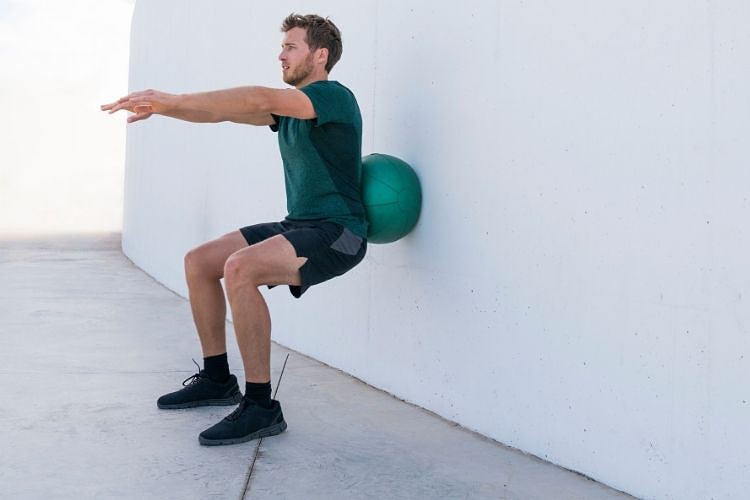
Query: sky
{"x":62,"y":160}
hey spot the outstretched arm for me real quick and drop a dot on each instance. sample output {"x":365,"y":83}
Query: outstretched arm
{"x":252,"y":105}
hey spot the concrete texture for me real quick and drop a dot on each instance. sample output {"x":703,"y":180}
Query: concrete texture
{"x":87,"y":343}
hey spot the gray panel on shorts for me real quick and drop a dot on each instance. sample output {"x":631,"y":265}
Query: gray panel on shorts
{"x":348,"y":243}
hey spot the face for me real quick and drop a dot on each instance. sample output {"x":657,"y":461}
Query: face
{"x":296,"y":58}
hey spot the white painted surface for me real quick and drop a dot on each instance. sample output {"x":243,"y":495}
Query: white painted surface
{"x":577,"y":284}
{"x":61,"y":158}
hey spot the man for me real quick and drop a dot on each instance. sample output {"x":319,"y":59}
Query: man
{"x":323,"y":235}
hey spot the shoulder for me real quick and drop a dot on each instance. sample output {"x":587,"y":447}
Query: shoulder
{"x":332,"y":102}
{"x":328,"y":89}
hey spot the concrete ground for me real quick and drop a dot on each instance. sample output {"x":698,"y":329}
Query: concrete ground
{"x":87,"y":343}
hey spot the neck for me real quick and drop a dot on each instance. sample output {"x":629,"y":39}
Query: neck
{"x":314,"y":77}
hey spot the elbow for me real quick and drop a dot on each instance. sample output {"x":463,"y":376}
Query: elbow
{"x":265,"y":108}
{"x":260,"y":101}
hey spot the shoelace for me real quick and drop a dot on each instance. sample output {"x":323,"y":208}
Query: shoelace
{"x":236,"y":413}
{"x":192,"y":379}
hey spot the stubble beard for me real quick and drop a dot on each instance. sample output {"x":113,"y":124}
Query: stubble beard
{"x":302,"y":72}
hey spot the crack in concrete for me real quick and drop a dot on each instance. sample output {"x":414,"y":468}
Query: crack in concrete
{"x":249,"y":477}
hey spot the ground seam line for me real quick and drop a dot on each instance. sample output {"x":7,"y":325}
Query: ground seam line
{"x":260,"y":440}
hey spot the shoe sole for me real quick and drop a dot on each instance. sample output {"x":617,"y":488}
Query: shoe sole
{"x":203,"y":402}
{"x":265,"y":432}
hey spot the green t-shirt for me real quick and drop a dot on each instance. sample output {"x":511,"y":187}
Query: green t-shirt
{"x":323,"y":158}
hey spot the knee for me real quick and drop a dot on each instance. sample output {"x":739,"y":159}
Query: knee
{"x":240,"y":272}
{"x":195,"y":264}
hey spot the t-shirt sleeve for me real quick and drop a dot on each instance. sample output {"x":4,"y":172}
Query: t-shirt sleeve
{"x":329,"y":101}
{"x":275,"y":126}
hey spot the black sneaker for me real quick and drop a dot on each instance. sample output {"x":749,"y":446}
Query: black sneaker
{"x":249,"y":421}
{"x":200,"y":390}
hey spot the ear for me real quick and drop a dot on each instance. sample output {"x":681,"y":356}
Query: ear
{"x":322,"y":56}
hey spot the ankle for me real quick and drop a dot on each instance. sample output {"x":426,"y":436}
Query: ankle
{"x":216,"y":367}
{"x":259,"y":393}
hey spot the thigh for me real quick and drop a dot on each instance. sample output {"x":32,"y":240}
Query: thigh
{"x":210,"y":257}
{"x":273,"y":261}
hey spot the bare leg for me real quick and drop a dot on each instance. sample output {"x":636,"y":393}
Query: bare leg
{"x":209,"y":314}
{"x":271,"y":262}
{"x":252,"y":326}
{"x":204,"y":268}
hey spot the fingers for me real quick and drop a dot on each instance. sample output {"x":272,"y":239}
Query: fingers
{"x":138,"y":117}
{"x":130,"y":105}
{"x":122,"y":103}
{"x":106,"y":107}
{"x":114,"y":106}
{"x":141,"y":103}
{"x":134,"y":103}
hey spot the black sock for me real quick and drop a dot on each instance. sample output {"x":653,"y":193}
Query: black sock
{"x":260,"y":393}
{"x":217,"y":367}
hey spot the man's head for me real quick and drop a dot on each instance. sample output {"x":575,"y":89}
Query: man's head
{"x":311,"y":46}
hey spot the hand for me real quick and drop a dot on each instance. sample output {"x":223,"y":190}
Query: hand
{"x":143,"y":104}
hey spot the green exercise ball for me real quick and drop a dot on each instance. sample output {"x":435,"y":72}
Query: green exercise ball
{"x":392,"y":197}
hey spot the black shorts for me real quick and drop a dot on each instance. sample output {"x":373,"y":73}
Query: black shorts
{"x":330,"y":248}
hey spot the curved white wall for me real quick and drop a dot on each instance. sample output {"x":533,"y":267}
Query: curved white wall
{"x":577,"y":284}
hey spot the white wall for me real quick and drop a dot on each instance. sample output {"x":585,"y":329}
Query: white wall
{"x":61,"y":159}
{"x":577,"y":284}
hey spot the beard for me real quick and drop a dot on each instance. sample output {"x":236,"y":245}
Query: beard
{"x":301,"y":72}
